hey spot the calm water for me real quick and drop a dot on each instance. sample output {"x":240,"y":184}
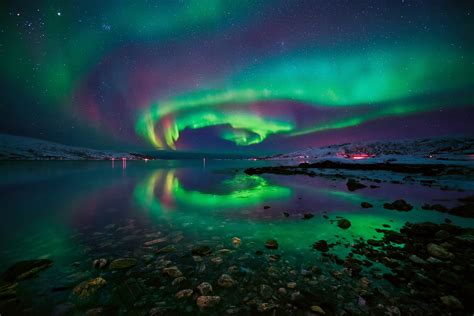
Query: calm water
{"x":75,"y":212}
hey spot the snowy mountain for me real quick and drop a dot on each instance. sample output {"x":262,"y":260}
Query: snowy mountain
{"x":420,"y":150}
{"x":25,"y":148}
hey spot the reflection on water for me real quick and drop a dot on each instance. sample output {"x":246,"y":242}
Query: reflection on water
{"x":163,"y":191}
{"x":74,"y":213}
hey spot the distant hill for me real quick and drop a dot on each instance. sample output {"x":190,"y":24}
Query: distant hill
{"x":443,"y":148}
{"x":25,"y":148}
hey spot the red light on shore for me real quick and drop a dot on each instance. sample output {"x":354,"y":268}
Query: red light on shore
{"x":357,"y":156}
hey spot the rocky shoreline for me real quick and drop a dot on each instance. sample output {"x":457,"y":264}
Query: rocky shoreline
{"x":423,"y":269}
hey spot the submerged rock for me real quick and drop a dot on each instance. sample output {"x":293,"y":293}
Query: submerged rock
{"x":166,"y":249}
{"x":353,"y":185}
{"x":173,"y":272}
{"x":366,"y":205}
{"x":184,"y":294}
{"x":226,"y":280}
{"x":321,"y":245}
{"x":205,"y":288}
{"x":207,"y":301}
{"x":123,"y":263}
{"x":271,"y":244}
{"x":25,"y":269}
{"x":85,"y":292}
{"x":265,"y":307}
{"x":439,"y":252}
{"x":201,"y":250}
{"x":399,"y":205}
{"x":100,"y":263}
{"x":318,"y":310}
{"x":451,"y":302}
{"x":307,"y":216}
{"x":236,"y":241}
{"x":344,"y":223}
{"x":266,"y":291}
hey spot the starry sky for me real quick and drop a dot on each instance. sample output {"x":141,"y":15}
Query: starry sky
{"x":235,"y":76}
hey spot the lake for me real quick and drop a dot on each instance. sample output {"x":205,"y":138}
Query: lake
{"x":205,"y":219}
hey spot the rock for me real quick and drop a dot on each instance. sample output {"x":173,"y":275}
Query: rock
{"x":205,"y":288}
{"x":99,"y":263}
{"x":307,"y":216}
{"x":216,"y":260}
{"x":286,"y":214}
{"x":416,"y":259}
{"x":282,"y":291}
{"x":155,"y":241}
{"x":271,"y":244}
{"x":178,"y":281}
{"x":173,"y":272}
{"x":123,"y":263}
{"x":439,"y":252}
{"x":207,"y":301}
{"x":85,"y":292}
{"x":201,"y":250}
{"x":291,"y":285}
{"x":8,"y":290}
{"x":442,"y":234}
{"x":226,"y":280}
{"x":25,"y":269}
{"x":399,"y":205}
{"x":318,"y":310}
{"x":184,"y":294}
{"x":344,"y":223}
{"x":321,"y":245}
{"x":166,"y":249}
{"x":366,"y":205}
{"x":236,"y":242}
{"x":375,"y":243}
{"x":266,"y":291}
{"x":265,"y":307}
{"x":266,"y":207}
{"x":353,"y":185}
{"x":452,"y":302}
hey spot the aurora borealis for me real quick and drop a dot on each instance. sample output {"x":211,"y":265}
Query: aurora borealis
{"x":235,"y":76}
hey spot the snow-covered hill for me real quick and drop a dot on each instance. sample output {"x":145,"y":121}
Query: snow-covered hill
{"x":420,"y":150}
{"x":25,"y":148}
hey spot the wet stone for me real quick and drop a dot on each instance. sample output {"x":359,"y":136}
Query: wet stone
{"x":25,"y":269}
{"x":184,"y":294}
{"x":166,"y":249}
{"x":178,"y":281}
{"x":123,"y":263}
{"x":439,"y":252}
{"x":173,"y":272}
{"x":266,"y":291}
{"x":353,"y":185}
{"x":271,"y":244}
{"x":344,"y":223}
{"x":308,"y":215}
{"x":204,"y":288}
{"x":85,"y":292}
{"x":366,"y":205}
{"x":99,"y":263}
{"x":226,"y":280}
{"x":321,"y":245}
{"x":399,"y":205}
{"x":204,"y":302}
{"x":201,"y":250}
{"x":318,"y":310}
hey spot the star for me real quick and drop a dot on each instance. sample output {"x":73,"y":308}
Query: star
{"x":58,"y":13}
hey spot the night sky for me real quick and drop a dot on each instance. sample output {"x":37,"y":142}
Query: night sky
{"x":235,"y":76}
